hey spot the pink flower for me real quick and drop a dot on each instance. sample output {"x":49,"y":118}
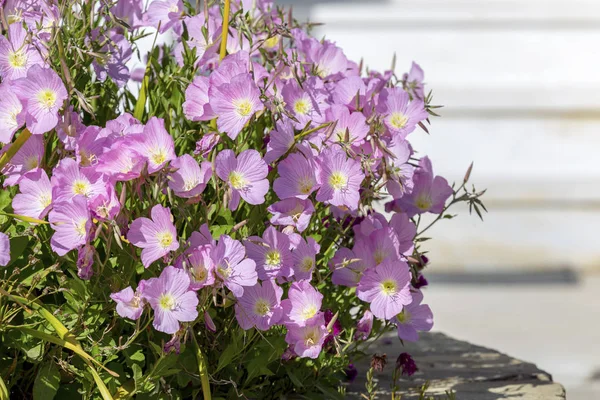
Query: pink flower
{"x":303,"y":304}
{"x":68,"y":180}
{"x":35,"y":197}
{"x":28,"y":158}
{"x":11,"y":118}
{"x":129,"y":304}
{"x":387,"y":288}
{"x":155,"y":144}
{"x":304,"y":258}
{"x":292,"y":212}
{"x":281,"y":140}
{"x":189,"y":179}
{"x":232,"y":268}
{"x":17,"y":55}
{"x":245,"y":175}
{"x":196,"y":106}
{"x":428,"y":195}
{"x":350,"y":127}
{"x":305,"y":104}
{"x":364,"y":326}
{"x":164,"y":14}
{"x":340,"y":178}
{"x":4,"y":249}
{"x":414,"y":317}
{"x":85,"y":260}
{"x":200,"y":266}
{"x":400,"y":116}
{"x":297,"y":177}
{"x":121,"y":162}
{"x":271,"y":253}
{"x":348,"y":266}
{"x":235,"y":103}
{"x":308,"y":339}
{"x":171,"y":299}
{"x":157,"y":236}
{"x":71,"y":222}
{"x":260,"y":306}
{"x":42,"y":93}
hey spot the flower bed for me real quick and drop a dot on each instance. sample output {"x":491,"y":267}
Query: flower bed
{"x":206,"y":224}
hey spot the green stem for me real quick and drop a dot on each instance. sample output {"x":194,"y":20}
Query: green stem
{"x":16,"y":146}
{"x":202,"y":368}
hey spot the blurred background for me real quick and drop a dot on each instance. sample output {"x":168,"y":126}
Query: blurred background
{"x":520,"y":87}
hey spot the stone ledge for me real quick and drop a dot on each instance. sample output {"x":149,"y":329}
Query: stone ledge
{"x":471,"y":372}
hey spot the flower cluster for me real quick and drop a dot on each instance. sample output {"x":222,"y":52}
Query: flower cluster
{"x":255,"y":180}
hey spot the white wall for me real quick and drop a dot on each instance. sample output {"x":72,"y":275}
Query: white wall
{"x":519,"y":80}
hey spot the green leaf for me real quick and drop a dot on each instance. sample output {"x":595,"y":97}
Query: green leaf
{"x":46,"y":382}
{"x":227,"y":356}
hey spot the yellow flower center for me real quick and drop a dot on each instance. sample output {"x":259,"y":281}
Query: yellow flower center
{"x":389,"y":287}
{"x":17,"y":59}
{"x":306,"y":264}
{"x":398,"y":120}
{"x":302,"y":106}
{"x":379,"y":256}
{"x":174,"y":8}
{"x":311,"y":338}
{"x":47,"y":98}
{"x":189,"y":185}
{"x":165,"y":239}
{"x":423,"y":202}
{"x":80,"y":226}
{"x":224,"y":271}
{"x":199,"y":273}
{"x":338,"y":180}
{"x":243,"y":107}
{"x":309,"y":312}
{"x":166,"y":302}
{"x":305,"y":185}
{"x":237,"y":180}
{"x":16,"y":17}
{"x":262,"y":307}
{"x":273,"y":258}
{"x":81,"y":187}
{"x":403,"y":317}
{"x":158,"y":156}
{"x":32,"y":162}
{"x":45,"y":200}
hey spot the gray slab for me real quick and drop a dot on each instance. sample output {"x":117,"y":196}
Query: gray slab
{"x":472,"y":372}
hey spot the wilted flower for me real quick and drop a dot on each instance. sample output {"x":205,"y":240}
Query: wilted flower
{"x":406,"y":364}
{"x":4,"y":249}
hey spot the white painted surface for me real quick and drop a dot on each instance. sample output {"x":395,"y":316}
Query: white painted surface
{"x":520,"y":84}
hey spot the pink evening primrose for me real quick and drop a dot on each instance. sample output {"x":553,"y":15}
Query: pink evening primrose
{"x":130,"y":304}
{"x":155,"y":144}
{"x":200,"y":266}
{"x":260,"y":306}
{"x":428,"y":195}
{"x":35,"y":197}
{"x":71,"y":222}
{"x":157,"y":236}
{"x":17,"y":54}
{"x":4,"y":249}
{"x":196,"y":106}
{"x":42,"y":94}
{"x":387,"y":288}
{"x":307,"y":340}
{"x":235,"y":103}
{"x":189,"y":179}
{"x":232,"y":267}
{"x":303,"y":303}
{"x":11,"y":117}
{"x":297,"y":177}
{"x":304,"y":258}
{"x":292,"y":212}
{"x":170,"y":297}
{"x":28,"y":158}
{"x":364,"y":326}
{"x":164,"y":15}
{"x":414,"y":318}
{"x":246,"y":176}
{"x":401,"y":115}
{"x":271,"y":253}
{"x":340,"y":178}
